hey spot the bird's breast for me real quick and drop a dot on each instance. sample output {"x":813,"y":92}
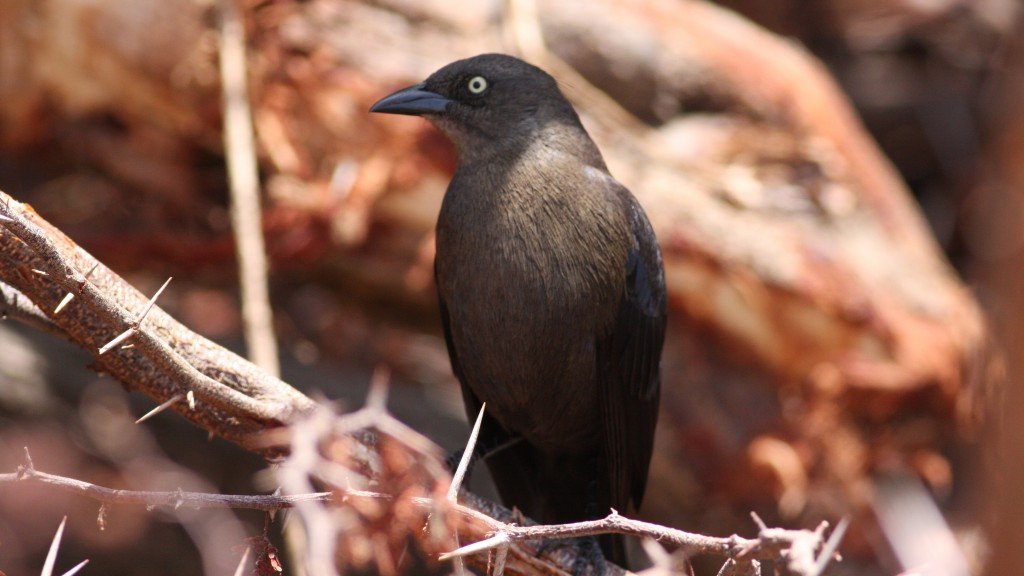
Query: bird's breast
{"x":527,"y":287}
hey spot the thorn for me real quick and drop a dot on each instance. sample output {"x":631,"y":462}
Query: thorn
{"x":77,"y":567}
{"x":761,"y":526}
{"x":29,"y":465}
{"x":138,"y":322}
{"x":64,"y":302}
{"x":40,"y":272}
{"x":499,"y":560}
{"x":460,"y":473}
{"x":120,"y":338}
{"x":272,"y":515}
{"x":167,"y":404}
{"x":467,"y":457}
{"x":499,"y":539}
{"x":51,"y":556}
{"x":7,"y":208}
{"x":829,"y":549}
{"x":127,"y":346}
{"x":657,"y":553}
{"x":377,"y":396}
{"x":241,"y":563}
{"x":191,"y":397}
{"x":152,"y":301}
{"x":70,"y":295}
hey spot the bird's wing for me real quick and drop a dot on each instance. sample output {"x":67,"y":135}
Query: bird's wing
{"x":628,"y":357}
{"x":515,"y":472}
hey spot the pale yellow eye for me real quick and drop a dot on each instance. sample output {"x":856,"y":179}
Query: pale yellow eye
{"x":477,"y":84}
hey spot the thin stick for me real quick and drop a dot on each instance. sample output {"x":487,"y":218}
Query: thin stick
{"x":175,"y":499}
{"x":239,"y":144}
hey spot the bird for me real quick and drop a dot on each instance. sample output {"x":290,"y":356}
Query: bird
{"x":551,"y":289}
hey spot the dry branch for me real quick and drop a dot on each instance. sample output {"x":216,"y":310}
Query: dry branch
{"x":804,"y":552}
{"x":234,"y":398}
{"x":176,"y":499}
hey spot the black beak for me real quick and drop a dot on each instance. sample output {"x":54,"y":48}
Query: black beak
{"x":414,"y":101}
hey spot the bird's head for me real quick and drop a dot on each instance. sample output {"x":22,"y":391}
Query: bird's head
{"x":491,"y":99}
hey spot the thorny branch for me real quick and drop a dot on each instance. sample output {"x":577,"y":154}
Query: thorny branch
{"x":233,"y":397}
{"x":176,"y":499}
{"x":39,"y":267}
{"x":804,"y":552}
{"x":795,"y":547}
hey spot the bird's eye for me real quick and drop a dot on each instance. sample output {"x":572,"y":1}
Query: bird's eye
{"x":477,"y":84}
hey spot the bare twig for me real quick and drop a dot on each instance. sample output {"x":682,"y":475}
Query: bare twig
{"x":240,"y":146}
{"x":771,"y":543}
{"x":175,"y":499}
{"x":318,"y":524}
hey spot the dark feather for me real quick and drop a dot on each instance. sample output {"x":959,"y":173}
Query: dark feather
{"x":628,"y":356}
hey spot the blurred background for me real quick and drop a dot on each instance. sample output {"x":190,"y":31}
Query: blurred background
{"x":836,"y":185}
